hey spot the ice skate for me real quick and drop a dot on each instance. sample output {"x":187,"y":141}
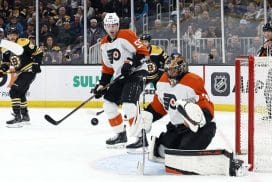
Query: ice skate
{"x":25,"y":119}
{"x":16,"y":122}
{"x":118,"y":141}
{"x":137,"y":146}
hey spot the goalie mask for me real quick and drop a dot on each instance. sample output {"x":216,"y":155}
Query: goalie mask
{"x":111,"y":24}
{"x":175,"y":67}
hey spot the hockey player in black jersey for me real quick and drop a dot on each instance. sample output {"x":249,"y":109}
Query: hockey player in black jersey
{"x":26,"y":67}
{"x":155,"y":67}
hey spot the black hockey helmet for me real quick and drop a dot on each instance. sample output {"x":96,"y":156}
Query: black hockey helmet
{"x":146,"y":36}
{"x":267,"y":27}
{"x":12,"y":30}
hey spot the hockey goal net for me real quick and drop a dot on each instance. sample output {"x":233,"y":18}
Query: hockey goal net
{"x":253,"y":90}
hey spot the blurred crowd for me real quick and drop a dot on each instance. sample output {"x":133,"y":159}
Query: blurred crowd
{"x":61,"y":26}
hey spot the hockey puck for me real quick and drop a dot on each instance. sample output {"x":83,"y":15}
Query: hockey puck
{"x":94,"y":121}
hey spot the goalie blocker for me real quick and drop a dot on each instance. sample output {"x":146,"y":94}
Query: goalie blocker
{"x":203,"y":162}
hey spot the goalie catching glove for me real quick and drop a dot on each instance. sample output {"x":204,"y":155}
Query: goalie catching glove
{"x":192,"y":115}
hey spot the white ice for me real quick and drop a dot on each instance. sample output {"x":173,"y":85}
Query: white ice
{"x":74,"y":151}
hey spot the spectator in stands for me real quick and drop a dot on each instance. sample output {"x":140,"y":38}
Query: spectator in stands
{"x":15,"y":24}
{"x":234,"y":46}
{"x":76,"y":26}
{"x":53,"y":29}
{"x":30,"y":29}
{"x":157,"y":32}
{"x":172,"y":33}
{"x":32,"y":38}
{"x":142,"y":8}
{"x":91,"y":10}
{"x":204,"y":20}
{"x":251,"y":13}
{"x":244,"y":30}
{"x":66,"y":36}
{"x":2,"y":22}
{"x":255,"y":47}
{"x":186,"y":20}
{"x":52,"y":52}
{"x":214,"y":57}
{"x":5,"y":10}
{"x":62,"y":17}
{"x":94,"y":32}
{"x":44,"y":32}
{"x":195,"y":58}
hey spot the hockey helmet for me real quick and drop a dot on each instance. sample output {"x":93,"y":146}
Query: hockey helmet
{"x":267,"y":27}
{"x":111,"y":18}
{"x":12,"y":30}
{"x":146,"y":37}
{"x":175,"y":67}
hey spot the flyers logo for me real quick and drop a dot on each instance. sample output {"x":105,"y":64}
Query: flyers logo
{"x":113,"y":55}
{"x":169,"y":100}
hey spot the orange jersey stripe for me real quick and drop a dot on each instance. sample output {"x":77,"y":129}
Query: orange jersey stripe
{"x":116,"y":121}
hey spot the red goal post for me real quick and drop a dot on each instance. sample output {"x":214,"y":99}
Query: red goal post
{"x":253,"y":129}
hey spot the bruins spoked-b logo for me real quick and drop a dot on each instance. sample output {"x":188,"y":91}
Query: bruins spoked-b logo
{"x":15,"y":61}
{"x":220,"y":84}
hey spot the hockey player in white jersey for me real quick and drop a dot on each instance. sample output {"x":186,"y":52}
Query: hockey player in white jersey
{"x":122,"y":54}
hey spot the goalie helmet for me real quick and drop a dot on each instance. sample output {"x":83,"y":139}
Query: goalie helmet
{"x":175,"y":67}
{"x":267,"y":27}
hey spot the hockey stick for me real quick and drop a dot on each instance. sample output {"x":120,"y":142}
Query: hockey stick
{"x":141,"y":165}
{"x":54,"y":122}
{"x":12,"y":46}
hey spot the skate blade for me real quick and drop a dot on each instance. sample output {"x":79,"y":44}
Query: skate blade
{"x":116,"y":146}
{"x":14,"y":125}
{"x":138,"y":151}
{"x":26,"y":123}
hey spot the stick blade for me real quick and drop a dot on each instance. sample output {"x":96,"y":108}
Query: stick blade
{"x":50,"y":120}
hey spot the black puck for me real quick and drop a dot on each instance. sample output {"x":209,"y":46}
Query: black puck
{"x":94,"y":121}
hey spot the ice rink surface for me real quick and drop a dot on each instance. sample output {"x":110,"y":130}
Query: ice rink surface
{"x":75,"y":151}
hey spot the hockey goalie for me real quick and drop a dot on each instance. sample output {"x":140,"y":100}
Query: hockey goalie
{"x":181,"y":95}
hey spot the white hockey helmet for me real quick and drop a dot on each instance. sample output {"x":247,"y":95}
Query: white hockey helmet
{"x":111,"y":18}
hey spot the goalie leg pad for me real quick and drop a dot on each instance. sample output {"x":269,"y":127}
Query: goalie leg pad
{"x":192,"y":114}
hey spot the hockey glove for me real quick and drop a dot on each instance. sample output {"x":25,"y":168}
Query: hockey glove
{"x":36,"y":68}
{"x":126,"y":69}
{"x":99,"y":91}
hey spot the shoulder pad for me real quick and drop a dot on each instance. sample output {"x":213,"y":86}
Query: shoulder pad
{"x":156,"y":50}
{"x":23,"y":41}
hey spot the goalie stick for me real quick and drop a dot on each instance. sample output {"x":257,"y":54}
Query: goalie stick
{"x":54,"y":122}
{"x":12,"y":46}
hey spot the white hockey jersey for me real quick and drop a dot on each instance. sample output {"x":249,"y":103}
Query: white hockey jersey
{"x":116,"y":52}
{"x":190,"y":86}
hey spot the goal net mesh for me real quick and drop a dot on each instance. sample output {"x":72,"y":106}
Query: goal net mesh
{"x":253,"y":111}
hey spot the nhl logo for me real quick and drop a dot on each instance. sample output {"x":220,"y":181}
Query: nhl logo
{"x":220,"y":84}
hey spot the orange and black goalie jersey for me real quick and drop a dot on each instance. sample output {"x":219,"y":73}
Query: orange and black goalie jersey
{"x":189,"y":86}
{"x":32,"y":55}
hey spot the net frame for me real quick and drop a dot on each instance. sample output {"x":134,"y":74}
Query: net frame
{"x":252,"y":107}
